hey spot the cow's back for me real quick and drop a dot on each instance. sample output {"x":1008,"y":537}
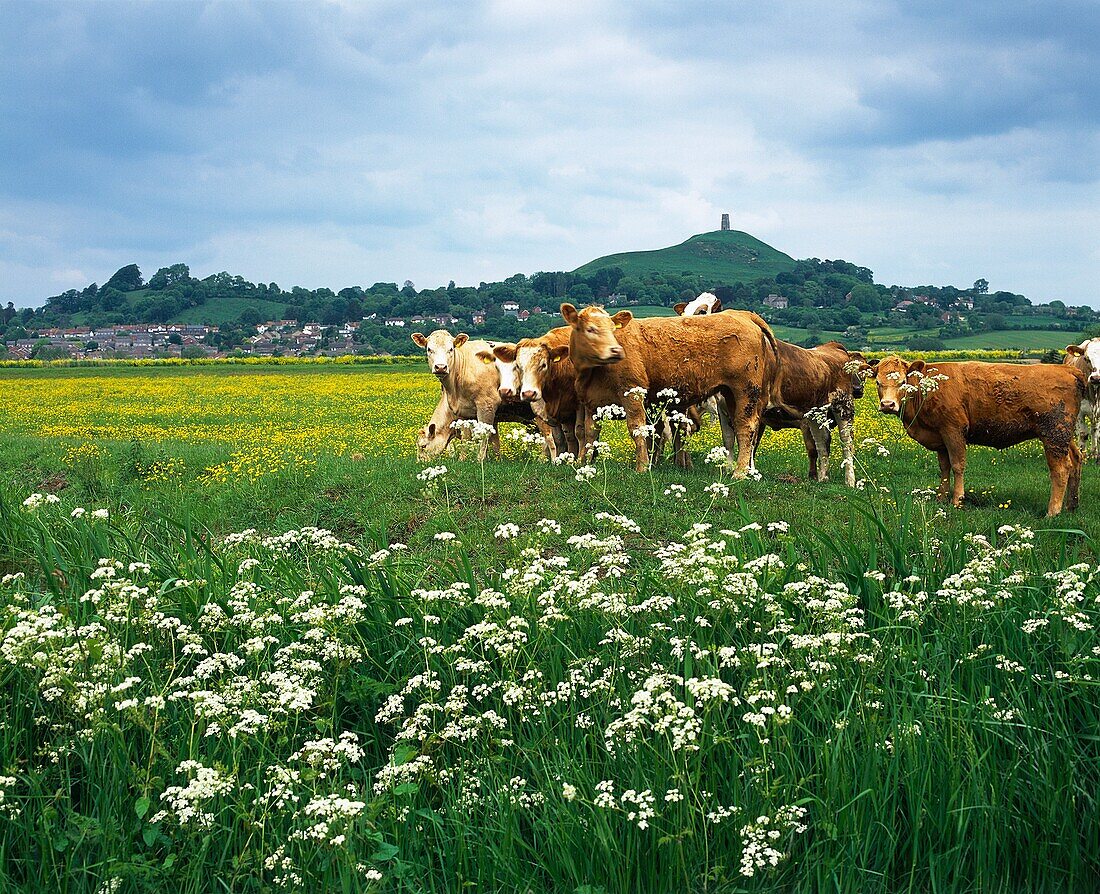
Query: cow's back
{"x":693,"y":355}
{"x":1002,"y":404}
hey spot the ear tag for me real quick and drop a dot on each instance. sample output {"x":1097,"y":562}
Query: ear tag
{"x":618,"y":325}
{"x":487,"y":360}
{"x":557,"y":359}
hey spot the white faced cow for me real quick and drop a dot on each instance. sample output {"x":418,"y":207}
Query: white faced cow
{"x":1086,"y":357}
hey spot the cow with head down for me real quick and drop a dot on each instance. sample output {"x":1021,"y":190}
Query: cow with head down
{"x":1086,"y":358}
{"x":471,"y":390}
{"x":946,"y":406}
{"x":706,"y":303}
{"x":823,"y":384}
{"x":624,"y":362}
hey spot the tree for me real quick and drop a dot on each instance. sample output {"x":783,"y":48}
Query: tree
{"x":250,"y":316}
{"x":126,"y":279}
{"x":174,"y":338}
{"x":170,"y":276}
{"x":980,"y":287}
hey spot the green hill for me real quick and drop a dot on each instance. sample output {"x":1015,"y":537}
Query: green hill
{"x":215,"y":312}
{"x":722,"y":256}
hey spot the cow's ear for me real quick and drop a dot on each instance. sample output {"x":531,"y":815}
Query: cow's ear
{"x":419,"y":340}
{"x":569,"y":314}
{"x":1075,"y":350}
{"x":461,"y":339}
{"x":680,"y":308}
{"x":873,"y":363}
{"x":622,"y":318}
{"x":431,"y":429}
{"x":856,"y":355}
{"x":485,"y":357}
{"x":558,"y":354}
{"x":507,"y":353}
{"x":717,"y":306}
{"x":916,"y":366}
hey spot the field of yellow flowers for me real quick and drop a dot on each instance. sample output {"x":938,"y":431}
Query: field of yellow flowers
{"x":248,"y":643}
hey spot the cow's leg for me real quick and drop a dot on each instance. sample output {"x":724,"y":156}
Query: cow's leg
{"x":549,"y":442}
{"x":811,"y":449}
{"x":635,"y":425}
{"x":848,"y":448}
{"x":1060,"y":465}
{"x":569,"y":431}
{"x":1073,"y":486}
{"x":680,"y":435}
{"x":729,"y":435}
{"x":487,"y":413}
{"x":1094,"y":418}
{"x":822,"y":443}
{"x":945,"y":473}
{"x":746,"y":422}
{"x":956,"y":450}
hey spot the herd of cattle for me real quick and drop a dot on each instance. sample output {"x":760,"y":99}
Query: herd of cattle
{"x":661,"y":372}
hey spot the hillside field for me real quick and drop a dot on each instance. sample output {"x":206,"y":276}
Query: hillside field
{"x":249,"y":643}
{"x":726,"y":256}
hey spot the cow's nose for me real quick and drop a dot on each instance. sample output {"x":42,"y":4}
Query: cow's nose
{"x":1095,"y":378}
{"x":439,"y":369}
{"x":887,"y":406}
{"x":529,"y":394}
{"x":507,"y":393}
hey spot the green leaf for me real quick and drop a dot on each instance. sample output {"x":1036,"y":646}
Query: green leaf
{"x":141,"y":806}
{"x":149,"y":835}
{"x":386,"y":851}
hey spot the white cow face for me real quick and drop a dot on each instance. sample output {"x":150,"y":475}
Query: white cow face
{"x":1089,"y":353}
{"x":506,"y":369}
{"x":440,"y":348}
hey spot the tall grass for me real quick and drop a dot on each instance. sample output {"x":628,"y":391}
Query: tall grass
{"x":579,"y":704}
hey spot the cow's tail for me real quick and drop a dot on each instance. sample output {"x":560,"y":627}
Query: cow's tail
{"x":776,"y":408}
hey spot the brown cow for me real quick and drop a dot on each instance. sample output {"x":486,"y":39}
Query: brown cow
{"x":732,"y":354}
{"x":545,"y":377}
{"x":991,"y":404}
{"x":822,"y":383}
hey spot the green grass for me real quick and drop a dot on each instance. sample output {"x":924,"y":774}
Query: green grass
{"x":1033,"y":340}
{"x":719,"y":257}
{"x":543,"y":653}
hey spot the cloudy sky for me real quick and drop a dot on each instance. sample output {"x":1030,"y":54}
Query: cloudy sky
{"x":338,"y":143}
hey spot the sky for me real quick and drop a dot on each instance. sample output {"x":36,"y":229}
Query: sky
{"x":340,"y":143}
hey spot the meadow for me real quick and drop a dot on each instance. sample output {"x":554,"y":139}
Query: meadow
{"x":248,"y":643}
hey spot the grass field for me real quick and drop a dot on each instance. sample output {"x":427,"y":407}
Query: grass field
{"x":504,"y":678}
{"x":725,"y":256}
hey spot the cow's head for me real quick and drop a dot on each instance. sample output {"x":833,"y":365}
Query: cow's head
{"x":440,"y":347}
{"x":858,"y":371}
{"x":532,"y":359}
{"x":504,"y":356}
{"x":707,"y":303}
{"x":431,"y":441}
{"x":593,"y":341}
{"x":891,"y":376}
{"x":1086,"y":356}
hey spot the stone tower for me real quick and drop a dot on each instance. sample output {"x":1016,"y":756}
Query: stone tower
{"x":725,"y":221}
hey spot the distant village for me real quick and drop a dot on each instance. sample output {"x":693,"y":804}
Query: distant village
{"x":273,"y":338}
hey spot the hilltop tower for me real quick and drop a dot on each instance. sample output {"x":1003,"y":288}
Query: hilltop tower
{"x":725,"y":221}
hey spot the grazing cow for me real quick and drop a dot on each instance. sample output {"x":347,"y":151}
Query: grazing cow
{"x":732,"y":354}
{"x":707,"y":303}
{"x":949,"y":405}
{"x":1086,"y":357}
{"x":471,"y":390}
{"x":547,"y":379}
{"x":823,"y":384}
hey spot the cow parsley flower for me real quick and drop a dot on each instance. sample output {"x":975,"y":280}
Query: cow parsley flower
{"x":506,"y":531}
